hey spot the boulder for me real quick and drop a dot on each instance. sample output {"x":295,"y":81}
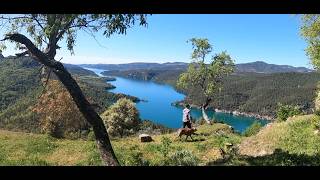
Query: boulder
{"x":1,"y":56}
{"x":145,"y":138}
{"x":227,"y":144}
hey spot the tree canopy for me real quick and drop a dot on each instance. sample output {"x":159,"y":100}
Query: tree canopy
{"x":122,"y":118}
{"x":202,"y":77}
{"x":47,"y":30}
{"x":310,"y":30}
{"x":39,"y":35}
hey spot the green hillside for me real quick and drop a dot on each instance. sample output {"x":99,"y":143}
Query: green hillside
{"x":293,"y":142}
{"x":21,"y":87}
{"x":18,"y":148}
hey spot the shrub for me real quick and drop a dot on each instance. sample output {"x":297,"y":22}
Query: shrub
{"x":285,"y":111}
{"x":183,"y":158}
{"x":59,"y":115}
{"x":317,"y":112}
{"x":315,"y":123}
{"x":150,"y":127}
{"x":253,"y":129}
{"x":164,"y":147}
{"x":136,"y":158}
{"x":91,"y":136}
{"x":122,"y":118}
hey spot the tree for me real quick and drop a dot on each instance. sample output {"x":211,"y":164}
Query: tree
{"x":122,"y":118}
{"x":206,"y":78}
{"x":59,"y":115}
{"x":44,"y":32}
{"x":310,"y":30}
{"x":286,"y":111}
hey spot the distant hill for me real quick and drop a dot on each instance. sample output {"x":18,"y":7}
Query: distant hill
{"x":75,"y":69}
{"x":256,"y":67}
{"x":136,"y":66}
{"x":262,"y":67}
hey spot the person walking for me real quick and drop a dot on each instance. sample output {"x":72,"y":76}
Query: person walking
{"x":186,"y":119}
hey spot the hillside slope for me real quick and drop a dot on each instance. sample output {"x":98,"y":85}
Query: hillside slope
{"x":287,"y":143}
{"x":296,"y":135}
{"x":18,"y":148}
{"x":293,"y":142}
{"x":21,"y":87}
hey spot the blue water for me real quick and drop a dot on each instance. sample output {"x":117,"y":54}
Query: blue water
{"x":158,"y":108}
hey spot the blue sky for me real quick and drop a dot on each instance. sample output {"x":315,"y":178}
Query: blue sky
{"x":271,"y":38}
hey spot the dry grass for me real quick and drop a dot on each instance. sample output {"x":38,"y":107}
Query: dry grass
{"x":295,"y":135}
{"x":34,"y":149}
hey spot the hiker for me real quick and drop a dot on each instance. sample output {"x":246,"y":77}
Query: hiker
{"x":186,"y":119}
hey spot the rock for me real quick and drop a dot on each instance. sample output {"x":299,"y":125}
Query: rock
{"x":145,"y":138}
{"x":1,"y":56}
{"x":228,"y":146}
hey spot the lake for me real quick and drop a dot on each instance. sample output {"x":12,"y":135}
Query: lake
{"x":157,"y":105}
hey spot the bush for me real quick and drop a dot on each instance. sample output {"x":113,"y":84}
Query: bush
{"x":253,"y":129}
{"x":183,"y":158}
{"x":285,"y":111}
{"x":136,"y":158}
{"x":164,"y":147}
{"x":315,"y":123}
{"x":317,"y":112}
{"x":59,"y":115}
{"x":122,"y":118}
{"x":150,"y":127}
{"x":91,"y":136}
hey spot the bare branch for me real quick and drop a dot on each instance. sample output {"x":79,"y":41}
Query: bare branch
{"x":94,"y":37}
{"x":38,"y":22}
{"x":83,"y":25}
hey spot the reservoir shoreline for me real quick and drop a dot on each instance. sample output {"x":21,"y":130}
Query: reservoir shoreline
{"x":158,"y":101}
{"x":235,"y":112}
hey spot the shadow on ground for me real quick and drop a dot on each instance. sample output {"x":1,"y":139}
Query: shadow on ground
{"x":278,"y":158}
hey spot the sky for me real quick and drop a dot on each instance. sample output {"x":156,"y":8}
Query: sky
{"x":246,"y":38}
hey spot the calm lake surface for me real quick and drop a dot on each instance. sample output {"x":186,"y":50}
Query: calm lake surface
{"x":158,"y":108}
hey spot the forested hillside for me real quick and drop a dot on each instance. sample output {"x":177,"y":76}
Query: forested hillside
{"x":257,"y":67}
{"x":159,"y":76}
{"x":260,"y":93}
{"x":256,"y":93}
{"x":21,"y":87}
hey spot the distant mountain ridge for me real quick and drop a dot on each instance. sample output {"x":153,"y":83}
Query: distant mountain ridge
{"x":262,"y":67}
{"x":138,"y":65}
{"x":256,"y":67}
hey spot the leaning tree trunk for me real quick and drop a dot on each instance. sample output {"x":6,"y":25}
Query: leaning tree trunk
{"x":204,"y":115}
{"x":102,"y":138}
{"x":203,"y":109}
